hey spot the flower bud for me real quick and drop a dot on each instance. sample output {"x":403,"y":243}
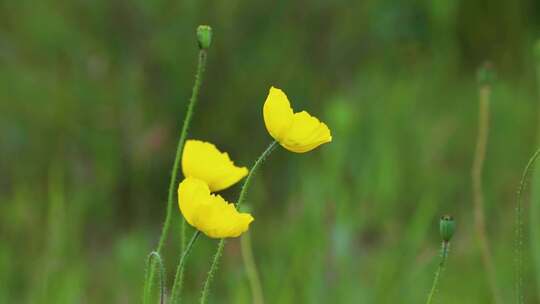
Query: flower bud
{"x":447,"y":227}
{"x":204,"y":36}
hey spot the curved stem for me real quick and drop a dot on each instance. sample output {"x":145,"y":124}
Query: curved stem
{"x":519,"y":228}
{"x":177,"y":284}
{"x":147,"y":288}
{"x":444,"y":256}
{"x":241,"y":198}
{"x":254,"y":168}
{"x":478,"y":195}
{"x":201,"y":66}
{"x":251,"y":269}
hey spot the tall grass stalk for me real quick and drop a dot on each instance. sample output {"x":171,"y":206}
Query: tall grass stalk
{"x":478,"y":195}
{"x":445,"y":248}
{"x":251,"y":269}
{"x":241,"y":198}
{"x":519,"y":229}
{"x":201,"y":66}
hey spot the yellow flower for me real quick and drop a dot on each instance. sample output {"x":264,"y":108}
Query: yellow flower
{"x":210,"y":213}
{"x":204,"y":161}
{"x":296,"y":132}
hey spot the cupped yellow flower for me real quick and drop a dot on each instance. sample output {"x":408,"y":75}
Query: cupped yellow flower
{"x":210,"y":213}
{"x":204,"y":161}
{"x":296,"y":132}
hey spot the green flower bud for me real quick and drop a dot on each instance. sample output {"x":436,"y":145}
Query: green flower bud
{"x":447,"y":227}
{"x":204,"y":36}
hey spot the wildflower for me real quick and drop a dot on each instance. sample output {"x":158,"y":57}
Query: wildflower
{"x":296,"y":132}
{"x":210,"y":213}
{"x":204,"y":161}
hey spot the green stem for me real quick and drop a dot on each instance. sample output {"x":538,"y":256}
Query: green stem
{"x":251,"y":269}
{"x":178,"y":278}
{"x":241,"y":198}
{"x":212,"y":271}
{"x":519,"y":228}
{"x":478,"y":194}
{"x":183,"y":135}
{"x":154,"y":256}
{"x":444,"y":256}
{"x":256,"y":166}
{"x":201,"y":66}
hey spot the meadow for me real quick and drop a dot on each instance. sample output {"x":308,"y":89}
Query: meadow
{"x":93,"y":95}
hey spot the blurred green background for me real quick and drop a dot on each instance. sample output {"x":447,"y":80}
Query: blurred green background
{"x":93,"y":94}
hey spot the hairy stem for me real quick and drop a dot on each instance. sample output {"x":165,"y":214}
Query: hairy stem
{"x":241,"y":198}
{"x":154,"y":256}
{"x":251,"y":269}
{"x":178,"y":278}
{"x":444,"y":256}
{"x":201,"y":66}
{"x":478,"y":195}
{"x":519,"y":229}
{"x":212,"y":271}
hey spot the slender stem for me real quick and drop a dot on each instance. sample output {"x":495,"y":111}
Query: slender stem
{"x":212,"y":271}
{"x":256,"y":166}
{"x":154,"y":256}
{"x":519,"y":229}
{"x":183,"y":135}
{"x":241,"y":198}
{"x":478,"y":195}
{"x":444,"y":257}
{"x":177,"y":284}
{"x":201,"y":66}
{"x":251,"y":269}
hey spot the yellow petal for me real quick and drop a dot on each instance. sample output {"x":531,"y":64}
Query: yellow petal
{"x":204,"y":161}
{"x":296,"y":132}
{"x":210,"y":213}
{"x":278,"y":114}
{"x":306,"y":133}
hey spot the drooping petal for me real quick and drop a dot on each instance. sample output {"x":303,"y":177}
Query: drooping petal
{"x":296,"y":132}
{"x":210,"y":213}
{"x":204,"y":161}
{"x":277,"y":113}
{"x":306,"y":133}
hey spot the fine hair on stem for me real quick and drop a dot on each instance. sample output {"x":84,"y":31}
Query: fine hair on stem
{"x":179,"y":276}
{"x":241,"y":198}
{"x":201,"y":66}
{"x":445,"y":248}
{"x":152,"y":258}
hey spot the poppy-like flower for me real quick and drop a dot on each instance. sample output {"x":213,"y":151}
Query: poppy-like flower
{"x":297,"y":132}
{"x":204,"y":161}
{"x":210,"y":213}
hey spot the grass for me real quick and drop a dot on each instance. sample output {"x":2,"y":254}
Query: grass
{"x":91,"y":97}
